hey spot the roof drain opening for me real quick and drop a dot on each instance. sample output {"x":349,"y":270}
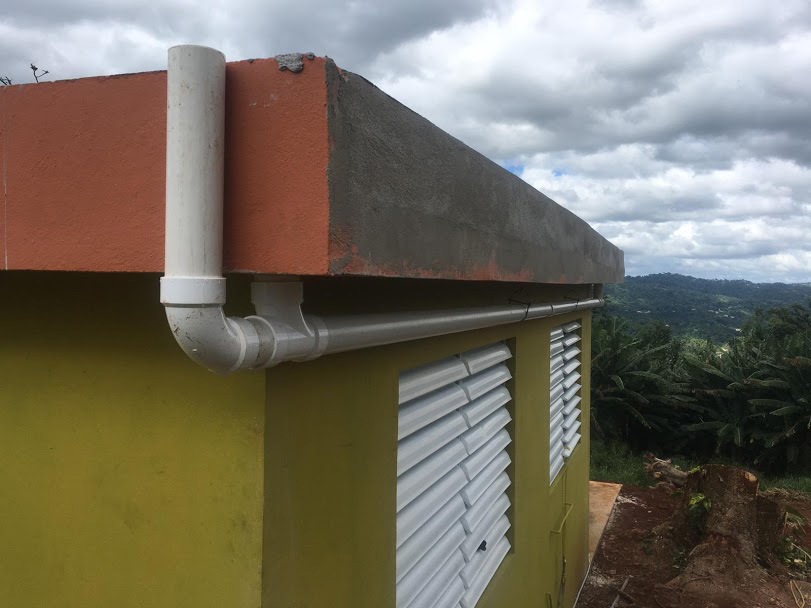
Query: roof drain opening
{"x":193,"y":286}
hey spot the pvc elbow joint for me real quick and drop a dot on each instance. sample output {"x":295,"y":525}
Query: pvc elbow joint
{"x":194,"y":309}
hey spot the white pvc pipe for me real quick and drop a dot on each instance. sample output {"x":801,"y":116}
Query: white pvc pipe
{"x":193,"y":288}
{"x":300,"y":337}
{"x":195,"y":134}
{"x":350,"y":333}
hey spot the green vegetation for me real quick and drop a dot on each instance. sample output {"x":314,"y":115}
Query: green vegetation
{"x":747,"y":402}
{"x":698,"y":308}
{"x":615,"y":463}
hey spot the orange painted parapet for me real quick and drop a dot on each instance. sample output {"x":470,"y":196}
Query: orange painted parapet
{"x":325,"y":174}
{"x":84,"y":166}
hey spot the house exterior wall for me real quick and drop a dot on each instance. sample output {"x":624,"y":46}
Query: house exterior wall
{"x":331,"y":462}
{"x":129,"y":476}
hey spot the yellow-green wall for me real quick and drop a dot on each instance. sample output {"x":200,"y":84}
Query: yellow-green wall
{"x":129,"y":476}
{"x":330,"y":459}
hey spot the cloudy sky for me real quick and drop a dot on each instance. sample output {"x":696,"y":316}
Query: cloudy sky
{"x":680,"y":130}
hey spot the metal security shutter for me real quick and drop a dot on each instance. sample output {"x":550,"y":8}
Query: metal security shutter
{"x":564,"y":395}
{"x":452,"y":478}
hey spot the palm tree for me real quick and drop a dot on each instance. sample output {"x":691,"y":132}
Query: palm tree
{"x":635,"y":395}
{"x":787,"y":396}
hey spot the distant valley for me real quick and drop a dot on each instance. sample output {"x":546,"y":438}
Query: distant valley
{"x":701,"y":308}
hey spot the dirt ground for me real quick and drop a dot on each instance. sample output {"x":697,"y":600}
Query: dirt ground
{"x":630,"y":548}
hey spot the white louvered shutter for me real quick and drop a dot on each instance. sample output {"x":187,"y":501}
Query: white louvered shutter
{"x":452,"y":478}
{"x":564,"y":395}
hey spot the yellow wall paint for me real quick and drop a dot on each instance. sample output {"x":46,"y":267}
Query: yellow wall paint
{"x":129,"y":476}
{"x":576,"y":531}
{"x":331,"y":476}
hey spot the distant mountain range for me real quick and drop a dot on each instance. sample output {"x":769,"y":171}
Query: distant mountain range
{"x":703,"y":308}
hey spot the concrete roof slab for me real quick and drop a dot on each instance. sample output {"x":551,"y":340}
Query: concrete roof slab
{"x":325,"y":175}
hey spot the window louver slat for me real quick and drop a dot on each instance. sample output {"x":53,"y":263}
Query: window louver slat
{"x":556,"y":407}
{"x":441,"y":581}
{"x":476,"y":512}
{"x":475,"y":488}
{"x":570,"y":432}
{"x":570,"y":380}
{"x":571,"y":391}
{"x":556,"y":451}
{"x":452,"y":595}
{"x":427,"y":378}
{"x":491,"y":539}
{"x":487,"y":571}
{"x":557,"y":465}
{"x":480,"y":359}
{"x":476,"y":437}
{"x":417,"y":447}
{"x":452,"y":477}
{"x":571,"y":339}
{"x":564,"y":395}
{"x":410,"y":518}
{"x":421,"y":412}
{"x":476,"y":411}
{"x":570,"y":448}
{"x":477,"y":385}
{"x":571,"y":419}
{"x":417,"y":546}
{"x":414,"y":582}
{"x":556,"y":435}
{"x":475,"y":538}
{"x":571,"y":404}
{"x":571,"y":366}
{"x":418,"y":479}
{"x":474,"y":463}
{"x":571,"y":352}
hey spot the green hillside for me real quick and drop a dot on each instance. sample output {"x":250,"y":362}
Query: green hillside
{"x":702,"y":308}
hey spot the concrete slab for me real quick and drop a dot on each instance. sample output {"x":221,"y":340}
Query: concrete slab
{"x":602,"y":497}
{"x":408,"y":200}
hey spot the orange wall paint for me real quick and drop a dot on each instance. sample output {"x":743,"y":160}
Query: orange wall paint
{"x":83,"y":166}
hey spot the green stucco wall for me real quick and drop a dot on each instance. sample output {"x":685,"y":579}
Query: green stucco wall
{"x":331,"y":476}
{"x":129,"y":476}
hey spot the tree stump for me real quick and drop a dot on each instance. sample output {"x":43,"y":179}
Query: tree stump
{"x":731,"y":529}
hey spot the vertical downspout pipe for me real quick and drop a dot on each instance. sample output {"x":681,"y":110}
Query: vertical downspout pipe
{"x":195,"y":156}
{"x":193,"y":288}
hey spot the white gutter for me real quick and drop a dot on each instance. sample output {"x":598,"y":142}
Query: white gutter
{"x":193,"y":288}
